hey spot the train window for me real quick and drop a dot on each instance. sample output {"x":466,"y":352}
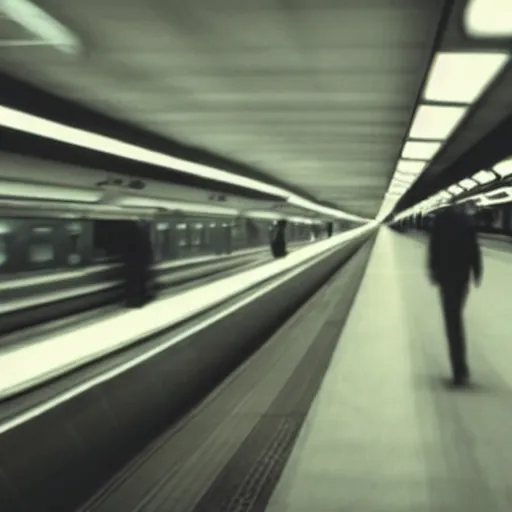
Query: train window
{"x":209,"y":234}
{"x":5,"y":229}
{"x":163,"y":240}
{"x":75,"y":230}
{"x":41,"y":249}
{"x":197,"y":234}
{"x":3,"y":251}
{"x":41,"y":253}
{"x":4,"y":256}
{"x":42,"y":230}
{"x":181,"y":232}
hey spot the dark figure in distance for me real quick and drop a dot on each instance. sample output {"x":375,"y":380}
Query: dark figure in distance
{"x":278,"y":240}
{"x":329,"y":229}
{"x":454,"y":255}
{"x":137,"y":256}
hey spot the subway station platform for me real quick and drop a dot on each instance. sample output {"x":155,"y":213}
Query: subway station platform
{"x":386,"y":432}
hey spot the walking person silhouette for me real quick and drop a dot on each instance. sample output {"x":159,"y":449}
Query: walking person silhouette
{"x":454,"y":254}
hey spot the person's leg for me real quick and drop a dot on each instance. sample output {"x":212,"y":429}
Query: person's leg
{"x":453,"y":298}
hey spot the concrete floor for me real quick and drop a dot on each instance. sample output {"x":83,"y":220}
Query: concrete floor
{"x":385,"y":432}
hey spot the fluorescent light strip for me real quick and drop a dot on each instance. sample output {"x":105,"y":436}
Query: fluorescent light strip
{"x":468,"y":183}
{"x":435,"y":122}
{"x":504,"y":168}
{"x":455,"y":190}
{"x":264,"y":215}
{"x":488,"y":18}
{"x":302,"y":220}
{"x":39,"y":191}
{"x":483,"y":177}
{"x":485,"y":200}
{"x":396,"y":189}
{"x":411,"y":166}
{"x":394,"y":184}
{"x":405,"y":174}
{"x":420,"y":150}
{"x":502,"y":190}
{"x":399,"y":181}
{"x":28,"y":123}
{"x":462,"y":77}
{"x":35,"y":20}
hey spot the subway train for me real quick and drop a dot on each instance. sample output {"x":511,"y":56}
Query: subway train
{"x":72,"y":238}
{"x":54,"y":243}
{"x":59,"y":259}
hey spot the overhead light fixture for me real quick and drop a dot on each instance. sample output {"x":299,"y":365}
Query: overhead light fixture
{"x":504,"y":168}
{"x":420,"y":150}
{"x":303,"y":220}
{"x":41,"y":24}
{"x":398,"y":186}
{"x":462,"y":77}
{"x":483,"y":177}
{"x":499,"y":196}
{"x":455,"y":190}
{"x":445,"y":194}
{"x":39,"y":191}
{"x":147,"y":202}
{"x":264,"y":215}
{"x":435,"y":122}
{"x":411,"y":166}
{"x":488,"y":18}
{"x":404,"y":178}
{"x":468,"y":183}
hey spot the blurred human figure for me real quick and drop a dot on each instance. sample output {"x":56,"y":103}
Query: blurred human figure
{"x":329,"y":229}
{"x":137,"y":255}
{"x":454,"y":254}
{"x":278,"y":240}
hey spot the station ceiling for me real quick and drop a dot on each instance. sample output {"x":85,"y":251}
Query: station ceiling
{"x":315,"y":94}
{"x":483,"y":137}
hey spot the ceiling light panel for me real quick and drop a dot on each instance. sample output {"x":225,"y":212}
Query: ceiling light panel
{"x":396,"y":185}
{"x":444,"y":194}
{"x":488,"y":18}
{"x":435,"y":122}
{"x":468,"y":183}
{"x":401,"y":187}
{"x":420,"y":150}
{"x":483,"y":177}
{"x":504,"y":168}
{"x":411,"y":166}
{"x":462,"y":77}
{"x":455,"y":190}
{"x":405,"y":178}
